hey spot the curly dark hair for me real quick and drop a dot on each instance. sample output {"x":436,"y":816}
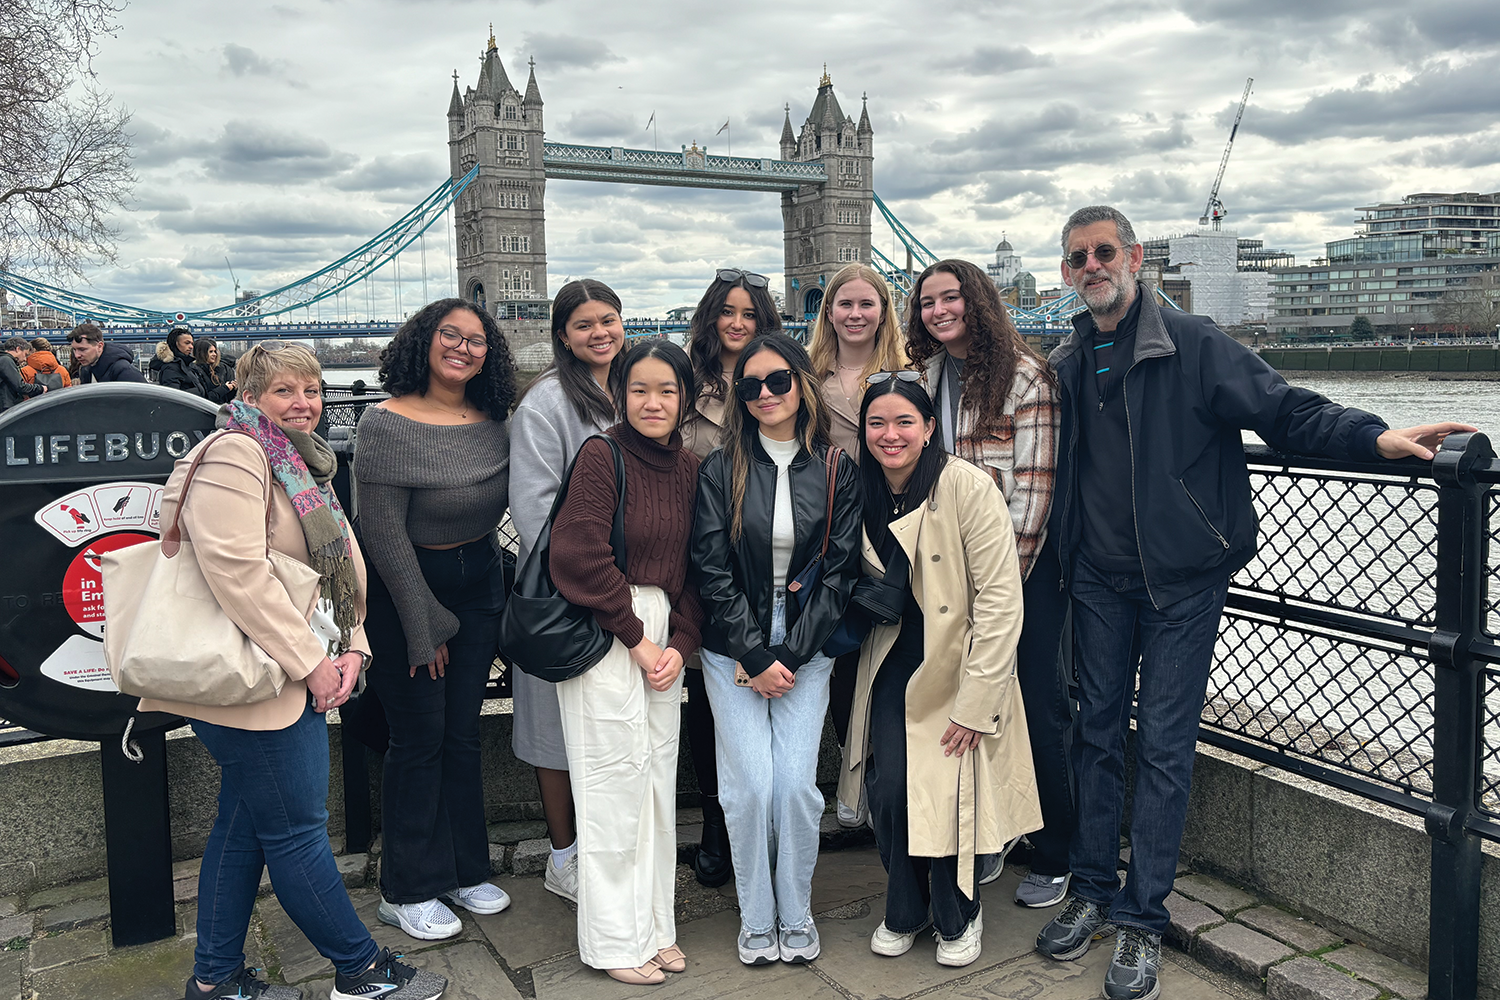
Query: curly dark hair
{"x":403,"y":362}
{"x":704,"y":345}
{"x":995,"y":345}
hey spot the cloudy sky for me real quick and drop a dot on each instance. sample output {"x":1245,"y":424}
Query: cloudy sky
{"x":281,"y":135}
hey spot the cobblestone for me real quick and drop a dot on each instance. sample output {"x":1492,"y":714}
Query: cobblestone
{"x":1188,"y":919}
{"x":530,"y":857}
{"x":64,"y":949}
{"x":1237,"y":949}
{"x":1309,"y":979}
{"x":1221,"y":896}
{"x":19,"y":926}
{"x":1387,"y":973}
{"x":1304,"y":935}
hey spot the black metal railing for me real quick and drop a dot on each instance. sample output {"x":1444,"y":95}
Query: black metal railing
{"x":1359,"y":649}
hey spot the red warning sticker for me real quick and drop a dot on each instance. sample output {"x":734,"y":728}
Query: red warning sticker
{"x":83,"y":583}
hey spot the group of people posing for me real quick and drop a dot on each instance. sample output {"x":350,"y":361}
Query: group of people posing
{"x":891,"y":525}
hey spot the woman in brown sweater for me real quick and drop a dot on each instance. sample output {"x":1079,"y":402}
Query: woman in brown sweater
{"x":620,"y":719}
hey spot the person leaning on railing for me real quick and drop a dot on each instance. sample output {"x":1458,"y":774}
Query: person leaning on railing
{"x":1152,"y":515}
{"x":273,"y":755}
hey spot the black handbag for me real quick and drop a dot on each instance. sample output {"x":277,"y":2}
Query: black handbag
{"x":541,"y":631}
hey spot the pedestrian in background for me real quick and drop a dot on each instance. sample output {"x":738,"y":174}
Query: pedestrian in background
{"x":97,"y":361}
{"x":621,"y":718}
{"x":13,"y":388}
{"x":182,"y":371}
{"x":215,"y":374}
{"x":433,"y":467}
{"x":566,"y":404}
{"x":43,"y":368}
{"x":159,"y":359}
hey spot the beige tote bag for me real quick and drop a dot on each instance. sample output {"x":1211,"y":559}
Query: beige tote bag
{"x":167,"y":638}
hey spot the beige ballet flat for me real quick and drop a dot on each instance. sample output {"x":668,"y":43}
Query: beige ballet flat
{"x":672,"y":959}
{"x":649,"y":974}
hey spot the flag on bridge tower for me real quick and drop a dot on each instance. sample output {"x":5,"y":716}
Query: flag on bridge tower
{"x":652,"y":119}
{"x":723,"y":127}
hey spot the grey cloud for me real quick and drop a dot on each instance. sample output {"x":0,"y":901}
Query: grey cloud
{"x":563,"y":51}
{"x":600,"y":126}
{"x":155,"y":146}
{"x":1439,"y":100}
{"x":394,"y":173}
{"x":1174,"y":136}
{"x":260,"y":153}
{"x":1004,"y":186}
{"x":242,"y":62}
{"x":1470,"y":152}
{"x":996,"y":59}
{"x":282,"y":219}
{"x":160,"y":200}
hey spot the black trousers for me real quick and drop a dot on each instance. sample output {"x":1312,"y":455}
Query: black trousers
{"x":1049,"y":712}
{"x":432,"y":802}
{"x":915,"y":886}
{"x":699,"y":715}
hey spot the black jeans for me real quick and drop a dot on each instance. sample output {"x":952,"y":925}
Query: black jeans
{"x":432,"y":803}
{"x":1049,"y":713}
{"x":841,"y":694}
{"x":699,"y":715}
{"x":914,"y":885}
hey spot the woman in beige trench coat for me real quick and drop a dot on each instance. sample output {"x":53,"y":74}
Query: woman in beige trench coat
{"x":938,"y":746}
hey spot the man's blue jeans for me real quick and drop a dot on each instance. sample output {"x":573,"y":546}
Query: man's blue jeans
{"x":1113,"y":619}
{"x":273,"y":813}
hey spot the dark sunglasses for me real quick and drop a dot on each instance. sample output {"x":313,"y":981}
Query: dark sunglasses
{"x":748,"y":388}
{"x":750,"y":278}
{"x":1103,"y":253}
{"x":77,"y":340}
{"x":905,"y":375}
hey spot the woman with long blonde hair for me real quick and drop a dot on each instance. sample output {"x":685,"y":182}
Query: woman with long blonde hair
{"x":857,"y":333}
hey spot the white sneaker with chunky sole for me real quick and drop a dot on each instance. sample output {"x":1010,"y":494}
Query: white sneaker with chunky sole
{"x":429,"y":920}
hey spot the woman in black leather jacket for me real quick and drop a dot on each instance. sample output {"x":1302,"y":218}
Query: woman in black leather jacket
{"x":216,"y":375}
{"x":763,"y":512}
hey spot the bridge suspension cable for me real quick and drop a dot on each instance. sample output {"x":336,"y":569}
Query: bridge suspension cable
{"x":324,"y":283}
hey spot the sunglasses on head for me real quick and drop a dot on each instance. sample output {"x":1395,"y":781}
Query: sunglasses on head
{"x":732,"y":274}
{"x":78,"y":340}
{"x":904,"y":375}
{"x":748,"y":388}
{"x":1103,"y":253}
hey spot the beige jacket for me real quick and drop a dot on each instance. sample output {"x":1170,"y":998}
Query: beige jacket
{"x":843,"y":416}
{"x":704,"y":427}
{"x":966,"y":580}
{"x":225,"y":519}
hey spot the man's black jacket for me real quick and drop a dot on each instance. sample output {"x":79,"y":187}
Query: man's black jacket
{"x":1189,"y":390}
{"x":735,"y":578}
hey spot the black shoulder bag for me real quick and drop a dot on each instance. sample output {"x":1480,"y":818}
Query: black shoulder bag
{"x":541,"y":631}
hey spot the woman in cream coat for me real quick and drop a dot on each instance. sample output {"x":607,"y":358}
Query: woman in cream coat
{"x":966,"y":766}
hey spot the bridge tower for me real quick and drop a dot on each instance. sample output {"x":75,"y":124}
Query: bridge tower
{"x":499,"y":219}
{"x":827,"y":225}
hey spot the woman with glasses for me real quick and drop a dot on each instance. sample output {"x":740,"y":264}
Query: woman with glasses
{"x":996,"y":405}
{"x":622,"y":716}
{"x":433,"y":466}
{"x":735,"y":309}
{"x":856,"y":334}
{"x":937,"y":742}
{"x":763,"y":513}
{"x":568,"y":403}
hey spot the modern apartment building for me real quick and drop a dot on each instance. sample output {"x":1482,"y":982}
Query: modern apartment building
{"x":1426,"y":266}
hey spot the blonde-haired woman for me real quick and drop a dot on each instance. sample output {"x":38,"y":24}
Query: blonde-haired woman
{"x":273,"y":755}
{"x":761,"y":516}
{"x":857,"y":333}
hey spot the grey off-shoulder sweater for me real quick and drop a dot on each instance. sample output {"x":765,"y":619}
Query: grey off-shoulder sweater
{"x":426,"y":484}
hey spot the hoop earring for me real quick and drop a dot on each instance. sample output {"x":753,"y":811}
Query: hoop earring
{"x":927,"y":442}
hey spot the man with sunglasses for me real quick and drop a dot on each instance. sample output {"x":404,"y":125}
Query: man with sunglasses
{"x":1152,"y":515}
{"x":98,"y":361}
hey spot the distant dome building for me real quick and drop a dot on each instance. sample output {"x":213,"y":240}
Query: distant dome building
{"x":1007,"y":264}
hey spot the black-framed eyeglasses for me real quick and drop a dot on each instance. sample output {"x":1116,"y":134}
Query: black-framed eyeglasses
{"x":904,"y":375}
{"x":1103,"y":253}
{"x":451,"y":338}
{"x":733,"y":274}
{"x":748,"y":388}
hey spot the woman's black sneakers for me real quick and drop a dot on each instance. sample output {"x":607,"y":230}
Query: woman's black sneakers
{"x":243,"y":985}
{"x":388,"y":979}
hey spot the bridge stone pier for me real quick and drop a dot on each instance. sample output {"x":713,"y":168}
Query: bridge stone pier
{"x":825,"y":176}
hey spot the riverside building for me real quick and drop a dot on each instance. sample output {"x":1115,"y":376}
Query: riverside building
{"x":1428,"y":266}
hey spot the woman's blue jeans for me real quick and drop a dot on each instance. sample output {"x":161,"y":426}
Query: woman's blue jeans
{"x":1113,"y":619}
{"x":273,"y":813}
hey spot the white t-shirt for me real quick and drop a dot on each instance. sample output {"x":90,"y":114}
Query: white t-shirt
{"x":782,"y":530}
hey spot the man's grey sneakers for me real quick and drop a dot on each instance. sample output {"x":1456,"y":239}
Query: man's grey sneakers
{"x":890,"y":944}
{"x":563,"y":881}
{"x":991,"y":866}
{"x":243,"y":985}
{"x":800,"y":945}
{"x":1039,"y":891}
{"x":964,"y":949}
{"x":428,"y":921}
{"x":388,"y":979}
{"x":1132,"y":972}
{"x":1070,"y":933}
{"x":759,"y":949}
{"x":483,"y":898}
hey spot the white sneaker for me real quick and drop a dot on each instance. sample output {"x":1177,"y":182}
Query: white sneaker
{"x":890,"y":944}
{"x":964,"y":949}
{"x":563,"y":881}
{"x":483,"y":898}
{"x":427,"y":921}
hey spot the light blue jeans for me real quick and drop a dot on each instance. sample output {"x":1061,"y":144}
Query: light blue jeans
{"x":768,"y":766}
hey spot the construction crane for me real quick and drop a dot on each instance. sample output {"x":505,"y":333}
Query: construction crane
{"x":1215,"y":208}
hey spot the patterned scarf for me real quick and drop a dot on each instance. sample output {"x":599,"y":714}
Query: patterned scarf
{"x":303,"y":465}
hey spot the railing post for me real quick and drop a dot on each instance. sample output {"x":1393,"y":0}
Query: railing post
{"x":1453,"y":949}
